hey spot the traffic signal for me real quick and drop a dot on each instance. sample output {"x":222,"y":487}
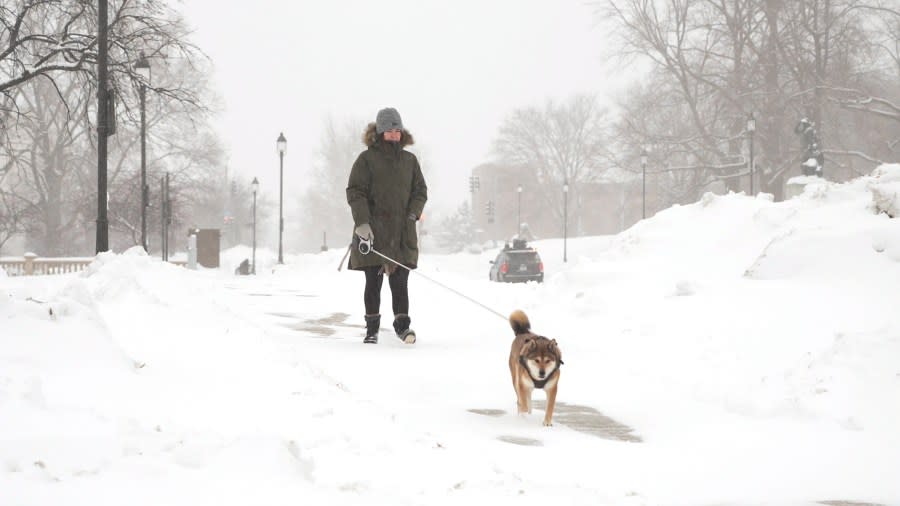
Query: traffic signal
{"x":474,"y":184}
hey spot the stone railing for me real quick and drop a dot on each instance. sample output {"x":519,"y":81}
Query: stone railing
{"x":33,"y":265}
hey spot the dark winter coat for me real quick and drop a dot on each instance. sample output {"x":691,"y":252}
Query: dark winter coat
{"x":386,"y":187}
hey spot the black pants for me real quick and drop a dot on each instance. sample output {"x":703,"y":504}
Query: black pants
{"x":399,"y":290}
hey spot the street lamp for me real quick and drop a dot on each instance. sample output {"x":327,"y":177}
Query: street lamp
{"x":751,"y":128}
{"x":142,"y":68}
{"x":519,"y":214}
{"x":565,"y":219}
{"x":643,"y":182}
{"x":255,"y":186}
{"x":282,"y":147}
{"x":166,"y":218}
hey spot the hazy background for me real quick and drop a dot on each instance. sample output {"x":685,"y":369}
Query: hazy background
{"x":452,"y":69}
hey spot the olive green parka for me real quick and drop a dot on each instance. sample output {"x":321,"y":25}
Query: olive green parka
{"x":386,"y":188}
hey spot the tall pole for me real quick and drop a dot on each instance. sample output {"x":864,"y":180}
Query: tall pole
{"x":751,"y":163}
{"x":643,"y":189}
{"x":162,"y":218}
{"x":280,"y":206}
{"x":144,"y":189}
{"x":565,"y":220}
{"x":168,"y":221}
{"x":519,"y":213}
{"x":254,"y":231}
{"x":102,"y":131}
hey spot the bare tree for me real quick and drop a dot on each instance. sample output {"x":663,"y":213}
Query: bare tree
{"x":557,"y":144}
{"x":49,"y":38}
{"x":715,"y":61}
{"x":49,"y":139}
{"x":42,"y":149}
{"x":323,"y":207}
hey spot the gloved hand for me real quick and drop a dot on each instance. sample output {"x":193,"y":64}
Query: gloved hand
{"x":365,"y":232}
{"x":412,"y":217}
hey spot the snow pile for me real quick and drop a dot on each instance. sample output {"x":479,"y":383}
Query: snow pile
{"x":885,"y":188}
{"x":751,"y":345}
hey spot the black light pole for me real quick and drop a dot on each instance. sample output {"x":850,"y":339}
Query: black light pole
{"x":643,"y":182}
{"x":102,"y":243}
{"x":751,"y":128}
{"x":255,"y":185}
{"x":519,"y":214}
{"x":167,"y":206}
{"x":142,"y":67}
{"x":162,"y":218}
{"x":565,"y":220}
{"x":282,"y":147}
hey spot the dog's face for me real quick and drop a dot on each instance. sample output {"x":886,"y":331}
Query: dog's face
{"x":541,"y":356}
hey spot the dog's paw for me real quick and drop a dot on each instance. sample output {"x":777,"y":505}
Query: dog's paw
{"x":548,"y":423}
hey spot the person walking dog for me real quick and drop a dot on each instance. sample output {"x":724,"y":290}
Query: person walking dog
{"x":387,"y":194}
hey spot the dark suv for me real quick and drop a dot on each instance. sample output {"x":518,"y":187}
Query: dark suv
{"x":518,"y":262}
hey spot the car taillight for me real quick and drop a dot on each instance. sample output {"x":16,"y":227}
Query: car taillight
{"x":504,"y":267}
{"x":540,"y":266}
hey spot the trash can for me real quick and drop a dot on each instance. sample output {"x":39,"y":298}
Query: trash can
{"x":208,"y":247}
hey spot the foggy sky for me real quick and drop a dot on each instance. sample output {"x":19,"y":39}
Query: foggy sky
{"x":452,"y":69}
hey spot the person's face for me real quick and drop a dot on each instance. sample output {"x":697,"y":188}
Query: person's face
{"x":392,"y":135}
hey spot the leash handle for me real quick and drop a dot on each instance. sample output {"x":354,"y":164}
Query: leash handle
{"x":365,"y":246}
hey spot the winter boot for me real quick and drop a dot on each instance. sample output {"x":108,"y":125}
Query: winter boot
{"x":373,"y":322}
{"x":401,"y":327}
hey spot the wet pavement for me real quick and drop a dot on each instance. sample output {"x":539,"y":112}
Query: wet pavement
{"x":327,"y":326}
{"x":584,"y":419}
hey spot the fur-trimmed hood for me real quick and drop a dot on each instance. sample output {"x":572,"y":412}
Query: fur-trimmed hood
{"x":370,"y":137}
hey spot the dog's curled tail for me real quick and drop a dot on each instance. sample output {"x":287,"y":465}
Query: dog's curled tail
{"x":519,"y":322}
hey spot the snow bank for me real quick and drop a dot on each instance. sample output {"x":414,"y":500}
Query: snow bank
{"x":885,"y":188}
{"x":750,"y":344}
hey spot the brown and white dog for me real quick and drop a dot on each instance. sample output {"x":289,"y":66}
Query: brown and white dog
{"x":534,"y":363}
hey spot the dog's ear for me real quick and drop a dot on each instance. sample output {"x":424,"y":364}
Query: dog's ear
{"x":528,"y":346}
{"x":555,"y":349}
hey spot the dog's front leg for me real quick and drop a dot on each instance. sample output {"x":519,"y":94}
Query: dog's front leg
{"x":528,"y":392}
{"x":551,"y":403}
{"x":520,"y":397}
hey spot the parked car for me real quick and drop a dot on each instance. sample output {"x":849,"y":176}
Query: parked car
{"x":517,"y":263}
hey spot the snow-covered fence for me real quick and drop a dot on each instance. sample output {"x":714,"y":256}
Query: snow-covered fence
{"x":33,"y":265}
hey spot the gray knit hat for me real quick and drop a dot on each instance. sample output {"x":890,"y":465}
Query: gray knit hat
{"x":387,"y":119}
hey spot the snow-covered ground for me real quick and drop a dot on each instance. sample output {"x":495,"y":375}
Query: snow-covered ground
{"x":753,"y":347}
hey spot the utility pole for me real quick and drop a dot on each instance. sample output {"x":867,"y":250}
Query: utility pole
{"x":103,"y":130}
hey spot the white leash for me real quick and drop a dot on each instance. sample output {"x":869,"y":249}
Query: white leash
{"x":365,"y":247}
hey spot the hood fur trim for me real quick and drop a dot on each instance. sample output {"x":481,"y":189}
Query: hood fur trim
{"x":370,"y":137}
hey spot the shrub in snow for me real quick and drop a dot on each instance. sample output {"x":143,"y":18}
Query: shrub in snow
{"x":707,"y":199}
{"x":885,"y":188}
{"x":799,"y":185}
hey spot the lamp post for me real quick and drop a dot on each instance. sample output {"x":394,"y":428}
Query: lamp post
{"x":103,"y":127}
{"x":282,"y":147}
{"x":166,"y":217}
{"x":643,"y":182}
{"x":519,"y":213}
{"x":142,"y":67}
{"x":565,"y":219}
{"x":255,"y":186}
{"x":751,"y":128}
